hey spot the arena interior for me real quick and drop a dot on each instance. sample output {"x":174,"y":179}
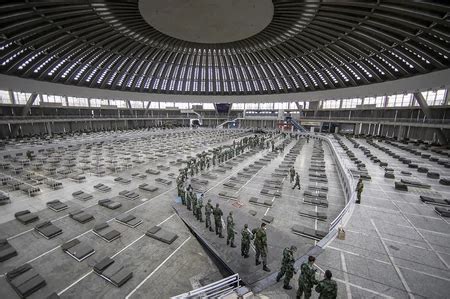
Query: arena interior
{"x":131,"y":130}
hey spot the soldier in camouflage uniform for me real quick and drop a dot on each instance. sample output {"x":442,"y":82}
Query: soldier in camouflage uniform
{"x":292,"y":174}
{"x":230,"y":230}
{"x":245,"y":241}
{"x":359,"y":189}
{"x":297,"y":181}
{"x":182,"y":195}
{"x":189,"y":197}
{"x":199,"y":208}
{"x":194,"y":203}
{"x":327,"y":288}
{"x":218,"y":220}
{"x":208,"y":211}
{"x":287,"y":266}
{"x":261,"y":246}
{"x":307,"y":278}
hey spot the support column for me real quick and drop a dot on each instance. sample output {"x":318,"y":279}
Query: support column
{"x":427,"y":111}
{"x":25,"y":111}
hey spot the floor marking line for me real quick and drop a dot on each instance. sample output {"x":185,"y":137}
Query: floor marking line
{"x":344,"y":268}
{"x":157,"y":268}
{"x":82,"y":234}
{"x":391,"y":258}
{"x":75,"y":282}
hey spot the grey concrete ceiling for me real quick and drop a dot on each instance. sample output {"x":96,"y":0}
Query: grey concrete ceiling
{"x":309,"y":46}
{"x":207,"y":21}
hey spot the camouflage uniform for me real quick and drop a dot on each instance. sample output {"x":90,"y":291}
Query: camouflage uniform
{"x":261,"y":246}
{"x":218,"y":220}
{"x":359,"y":189}
{"x":245,"y":241}
{"x":292,"y":173}
{"x":183,"y":196}
{"x":306,"y":281}
{"x":287,"y":266}
{"x":188,"y":199}
{"x":230,"y":230}
{"x":327,"y":288}
{"x":199,"y":208}
{"x":208,"y":211}
{"x":297,"y":182}
{"x":194,"y":203}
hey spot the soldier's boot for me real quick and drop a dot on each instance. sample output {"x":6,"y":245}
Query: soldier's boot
{"x":220,"y":236}
{"x":287,"y":287}
{"x":201,"y":219}
{"x":257,"y":262}
{"x":265,"y":268}
{"x":246,"y":255}
{"x":279,"y":276}
{"x":228,"y":242}
{"x":210,"y":229}
{"x":232,"y":245}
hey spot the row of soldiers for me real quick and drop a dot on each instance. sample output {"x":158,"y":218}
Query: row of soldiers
{"x":327,"y":288}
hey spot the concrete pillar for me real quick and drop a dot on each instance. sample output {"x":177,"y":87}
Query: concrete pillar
{"x":49,"y":128}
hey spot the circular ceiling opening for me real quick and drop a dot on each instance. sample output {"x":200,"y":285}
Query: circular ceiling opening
{"x":208,"y":21}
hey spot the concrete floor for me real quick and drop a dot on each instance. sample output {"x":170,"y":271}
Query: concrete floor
{"x":395,"y":246}
{"x":159,"y":270}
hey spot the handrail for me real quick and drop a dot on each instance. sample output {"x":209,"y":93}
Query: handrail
{"x":215,"y":289}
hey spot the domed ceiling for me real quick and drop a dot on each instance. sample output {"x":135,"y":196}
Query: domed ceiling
{"x":223,"y":47}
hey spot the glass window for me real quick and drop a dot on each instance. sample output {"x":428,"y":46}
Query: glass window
{"x":378,"y":101}
{"x":21,"y":97}
{"x":351,"y":103}
{"x":435,"y":98}
{"x":137,"y":104}
{"x":208,"y":106}
{"x":80,"y":102}
{"x":182,"y":105}
{"x":252,"y":106}
{"x":4,"y":97}
{"x":53,"y":99}
{"x":331,"y":104}
{"x":154,"y":105}
{"x":305,"y":105}
{"x":266,"y":106}
{"x":283,"y":105}
{"x":238,"y":106}
{"x":399,"y":100}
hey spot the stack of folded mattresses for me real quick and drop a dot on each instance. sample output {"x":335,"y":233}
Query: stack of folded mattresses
{"x":81,"y":216}
{"x":259,"y":202}
{"x":26,"y":216}
{"x":56,"y":205}
{"x":147,"y":187}
{"x":48,"y":230}
{"x":110,"y":204}
{"x":104,"y":231}
{"x":113,"y":272}
{"x":6,"y":250}
{"x":308,"y":232}
{"x":163,"y":181}
{"x":102,"y":187}
{"x":122,"y":180}
{"x":129,"y":194}
{"x":25,"y":280}
{"x":81,"y":195}
{"x":162,"y":235}
{"x":128,"y":220}
{"x":78,"y":250}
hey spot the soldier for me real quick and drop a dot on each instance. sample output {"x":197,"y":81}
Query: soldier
{"x":199,"y":208}
{"x":273,"y":145}
{"x":261,"y":246}
{"x":188,"y":199}
{"x":327,"y":288}
{"x":194,"y":203}
{"x":192,"y":171}
{"x":292,"y":174}
{"x":359,"y":189}
{"x":307,"y":278}
{"x":208,"y":210}
{"x":218,"y":220}
{"x":287,"y":266}
{"x":297,"y":181}
{"x":307,"y":138}
{"x":230,"y":230}
{"x":245,"y":241}
{"x":182,"y":195}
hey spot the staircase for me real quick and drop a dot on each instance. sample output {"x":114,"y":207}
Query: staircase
{"x":296,"y":125}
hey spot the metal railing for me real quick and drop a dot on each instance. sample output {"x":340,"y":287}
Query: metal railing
{"x":379,"y":119}
{"x":217,"y":289}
